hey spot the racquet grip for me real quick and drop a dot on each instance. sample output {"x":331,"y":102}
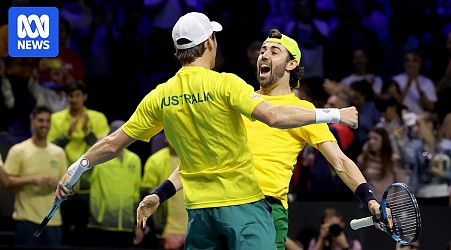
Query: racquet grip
{"x":363,"y":222}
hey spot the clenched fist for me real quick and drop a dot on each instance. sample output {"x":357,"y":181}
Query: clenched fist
{"x":350,"y":117}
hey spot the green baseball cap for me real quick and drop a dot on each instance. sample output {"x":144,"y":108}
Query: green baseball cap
{"x":289,"y":43}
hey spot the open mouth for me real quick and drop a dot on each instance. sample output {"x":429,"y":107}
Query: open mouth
{"x":264,"y":70}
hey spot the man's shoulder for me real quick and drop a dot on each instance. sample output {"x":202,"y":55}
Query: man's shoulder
{"x":21,"y":145}
{"x":60,"y":113}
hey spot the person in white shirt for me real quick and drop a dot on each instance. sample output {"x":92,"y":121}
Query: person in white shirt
{"x":361,"y":62}
{"x":417,"y":92}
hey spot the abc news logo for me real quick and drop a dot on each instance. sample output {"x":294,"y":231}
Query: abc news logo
{"x":33,"y":32}
{"x":24,"y":30}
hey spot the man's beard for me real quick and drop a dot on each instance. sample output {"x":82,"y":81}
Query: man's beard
{"x":276,"y":74}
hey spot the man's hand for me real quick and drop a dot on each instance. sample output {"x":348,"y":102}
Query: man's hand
{"x":44,"y":180}
{"x":324,"y":230}
{"x":73,"y":125}
{"x":85,"y":126}
{"x":62,"y":192}
{"x":146,"y":208}
{"x":375,"y":210}
{"x":349,"y":116}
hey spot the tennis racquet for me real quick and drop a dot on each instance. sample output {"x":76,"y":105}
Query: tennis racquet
{"x":73,"y":179}
{"x":400,"y":206}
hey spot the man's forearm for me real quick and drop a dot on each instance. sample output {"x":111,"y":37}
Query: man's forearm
{"x":350,"y":174}
{"x":292,"y":116}
{"x":346,"y":169}
{"x":176,"y":180}
{"x":108,"y":148}
{"x":19,"y":181}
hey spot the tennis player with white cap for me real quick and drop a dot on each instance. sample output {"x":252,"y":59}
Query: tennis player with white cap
{"x":200,"y":112}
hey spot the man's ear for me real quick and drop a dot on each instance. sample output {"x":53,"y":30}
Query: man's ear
{"x":209,"y":43}
{"x":291,"y":65}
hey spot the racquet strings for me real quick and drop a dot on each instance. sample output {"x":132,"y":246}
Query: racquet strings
{"x":404,"y":214}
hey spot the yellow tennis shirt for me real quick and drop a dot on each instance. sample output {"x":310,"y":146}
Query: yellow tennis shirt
{"x":275,"y":150}
{"x":200,"y":111}
{"x":32,"y":202}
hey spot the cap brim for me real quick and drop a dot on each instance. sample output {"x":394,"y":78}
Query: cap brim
{"x":216,"y":26}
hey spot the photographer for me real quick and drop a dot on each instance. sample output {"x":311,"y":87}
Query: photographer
{"x":430,"y":160}
{"x":331,"y":234}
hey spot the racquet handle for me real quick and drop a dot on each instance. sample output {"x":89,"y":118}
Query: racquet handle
{"x":73,"y":179}
{"x":361,"y":223}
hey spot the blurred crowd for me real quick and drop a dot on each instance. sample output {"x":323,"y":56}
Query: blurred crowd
{"x":391,"y":59}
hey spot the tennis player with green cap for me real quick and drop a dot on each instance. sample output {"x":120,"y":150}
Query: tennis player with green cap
{"x":275,"y":150}
{"x":200,"y":111}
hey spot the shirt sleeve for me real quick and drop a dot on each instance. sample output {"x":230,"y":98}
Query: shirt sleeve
{"x":13,"y":161}
{"x":144,"y":123}
{"x":242,"y":96}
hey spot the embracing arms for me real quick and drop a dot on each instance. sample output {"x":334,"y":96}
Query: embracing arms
{"x":281,"y":116}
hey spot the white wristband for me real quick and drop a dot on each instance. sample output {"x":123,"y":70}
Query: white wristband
{"x":327,"y":115}
{"x":76,"y":169}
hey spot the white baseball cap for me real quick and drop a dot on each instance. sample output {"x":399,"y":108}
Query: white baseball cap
{"x":195,"y":27}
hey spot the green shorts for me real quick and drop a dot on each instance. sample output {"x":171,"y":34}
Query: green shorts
{"x":280,"y":216}
{"x":247,"y":226}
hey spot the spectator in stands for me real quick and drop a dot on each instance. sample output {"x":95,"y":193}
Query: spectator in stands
{"x":444,"y":84}
{"x":34,"y":167}
{"x":363,"y":100}
{"x":311,"y":31}
{"x":417,"y":92}
{"x":377,"y":162}
{"x":47,"y":84}
{"x":76,"y":129}
{"x":71,"y":59}
{"x":430,"y":157}
{"x":391,"y":118}
{"x":332,"y":234}
{"x":361,"y":63}
{"x":116,"y":183}
{"x":171,"y":218}
{"x":398,"y":132}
